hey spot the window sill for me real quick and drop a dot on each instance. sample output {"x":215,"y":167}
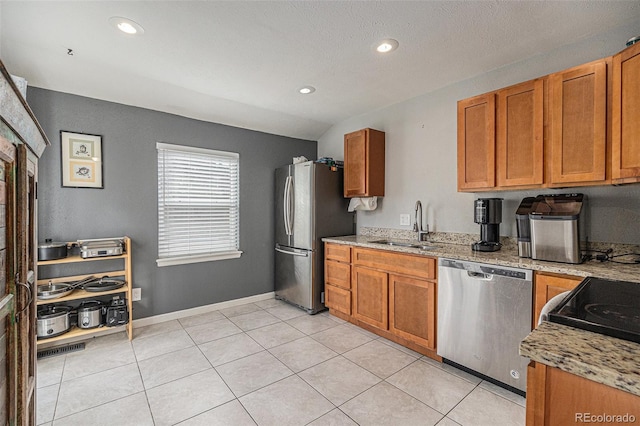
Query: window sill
{"x":197,"y":259}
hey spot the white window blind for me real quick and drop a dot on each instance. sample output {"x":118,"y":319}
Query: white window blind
{"x":198,"y":205}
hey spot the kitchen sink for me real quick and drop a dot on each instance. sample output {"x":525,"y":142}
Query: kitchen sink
{"x":404,"y":244}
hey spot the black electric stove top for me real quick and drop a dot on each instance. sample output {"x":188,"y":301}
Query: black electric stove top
{"x":602,"y":306}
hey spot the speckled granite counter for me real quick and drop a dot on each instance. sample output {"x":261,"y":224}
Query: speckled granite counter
{"x":600,"y":358}
{"x":505,"y":257}
{"x":607,"y":360}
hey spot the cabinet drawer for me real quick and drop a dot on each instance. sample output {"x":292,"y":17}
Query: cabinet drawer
{"x":338,"y":299}
{"x":339,"y":252}
{"x":416,"y":266}
{"x":338,"y":274}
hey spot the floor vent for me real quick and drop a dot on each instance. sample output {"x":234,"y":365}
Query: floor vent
{"x":60,"y":350}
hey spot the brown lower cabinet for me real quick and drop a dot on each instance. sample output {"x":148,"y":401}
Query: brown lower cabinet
{"x":391,"y":294}
{"x":411,"y":303}
{"x":555,"y":397}
{"x":547,"y":286}
{"x":371,"y":296}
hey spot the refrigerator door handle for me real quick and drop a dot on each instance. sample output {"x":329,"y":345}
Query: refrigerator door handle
{"x":293,"y":253}
{"x":290,"y":217}
{"x":286,"y":210}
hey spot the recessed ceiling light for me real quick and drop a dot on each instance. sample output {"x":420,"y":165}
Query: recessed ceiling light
{"x":307,"y":90}
{"x":127,"y":26}
{"x":388,"y":45}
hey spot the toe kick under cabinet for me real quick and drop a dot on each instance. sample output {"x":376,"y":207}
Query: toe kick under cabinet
{"x":391,"y":294}
{"x":99,"y":267}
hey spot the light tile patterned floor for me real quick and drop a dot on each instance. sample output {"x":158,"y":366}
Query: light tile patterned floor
{"x":264,"y":363}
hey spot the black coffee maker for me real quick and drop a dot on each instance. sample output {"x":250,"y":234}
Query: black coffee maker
{"x":488,"y":213}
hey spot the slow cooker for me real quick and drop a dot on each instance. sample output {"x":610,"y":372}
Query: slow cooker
{"x":53,"y":321}
{"x":90,"y":314}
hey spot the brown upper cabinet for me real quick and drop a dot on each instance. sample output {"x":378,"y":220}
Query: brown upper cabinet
{"x":476,"y":143}
{"x":501,"y":138}
{"x":578,"y":119}
{"x":625,"y":112}
{"x":520,"y":134}
{"x":576,"y":127}
{"x":364,"y":163}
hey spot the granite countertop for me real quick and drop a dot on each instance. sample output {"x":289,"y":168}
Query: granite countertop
{"x":608,"y":360}
{"x":504,"y":257}
{"x":603,"y":359}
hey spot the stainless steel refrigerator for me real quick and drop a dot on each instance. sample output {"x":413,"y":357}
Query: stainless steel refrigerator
{"x":309,"y":206}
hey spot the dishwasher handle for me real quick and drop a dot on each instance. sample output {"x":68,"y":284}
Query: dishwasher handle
{"x":480,"y":276}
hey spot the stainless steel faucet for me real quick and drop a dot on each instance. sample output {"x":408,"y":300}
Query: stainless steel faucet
{"x":417,"y":224}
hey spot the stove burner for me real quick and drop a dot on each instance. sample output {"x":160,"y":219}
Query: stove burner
{"x":618,"y":314}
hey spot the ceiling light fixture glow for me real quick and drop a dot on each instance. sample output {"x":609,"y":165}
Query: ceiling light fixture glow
{"x":307,"y":90}
{"x":125,"y":25}
{"x":388,"y":45}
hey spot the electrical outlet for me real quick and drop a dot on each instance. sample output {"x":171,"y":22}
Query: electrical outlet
{"x":136,"y":294}
{"x":404,"y":219}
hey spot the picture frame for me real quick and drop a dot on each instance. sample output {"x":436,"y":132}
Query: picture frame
{"x":81,"y":157}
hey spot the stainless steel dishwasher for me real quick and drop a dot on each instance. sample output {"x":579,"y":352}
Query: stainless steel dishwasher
{"x":484,"y":311}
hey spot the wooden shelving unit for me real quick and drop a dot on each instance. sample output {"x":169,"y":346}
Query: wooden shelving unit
{"x":83,"y":294}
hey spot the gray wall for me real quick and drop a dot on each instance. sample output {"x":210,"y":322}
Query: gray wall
{"x":421,"y":152}
{"x":128,"y":203}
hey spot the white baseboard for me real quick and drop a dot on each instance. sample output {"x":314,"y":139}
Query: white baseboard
{"x":157,"y":319}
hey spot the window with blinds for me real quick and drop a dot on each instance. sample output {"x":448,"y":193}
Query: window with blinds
{"x":198,"y":205}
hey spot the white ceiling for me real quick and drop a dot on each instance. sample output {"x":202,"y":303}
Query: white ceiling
{"x":241,"y":63}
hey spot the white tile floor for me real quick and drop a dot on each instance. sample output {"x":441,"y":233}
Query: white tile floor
{"x":264,"y":363}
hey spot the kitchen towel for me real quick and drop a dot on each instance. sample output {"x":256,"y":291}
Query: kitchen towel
{"x":552,"y":303}
{"x":357,"y":203}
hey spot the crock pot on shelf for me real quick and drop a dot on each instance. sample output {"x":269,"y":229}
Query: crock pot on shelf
{"x":53,"y":321}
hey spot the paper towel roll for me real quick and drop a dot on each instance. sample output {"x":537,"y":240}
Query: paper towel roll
{"x":358,"y":203}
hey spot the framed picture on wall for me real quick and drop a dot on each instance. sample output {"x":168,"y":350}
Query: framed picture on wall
{"x":81,"y":160}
